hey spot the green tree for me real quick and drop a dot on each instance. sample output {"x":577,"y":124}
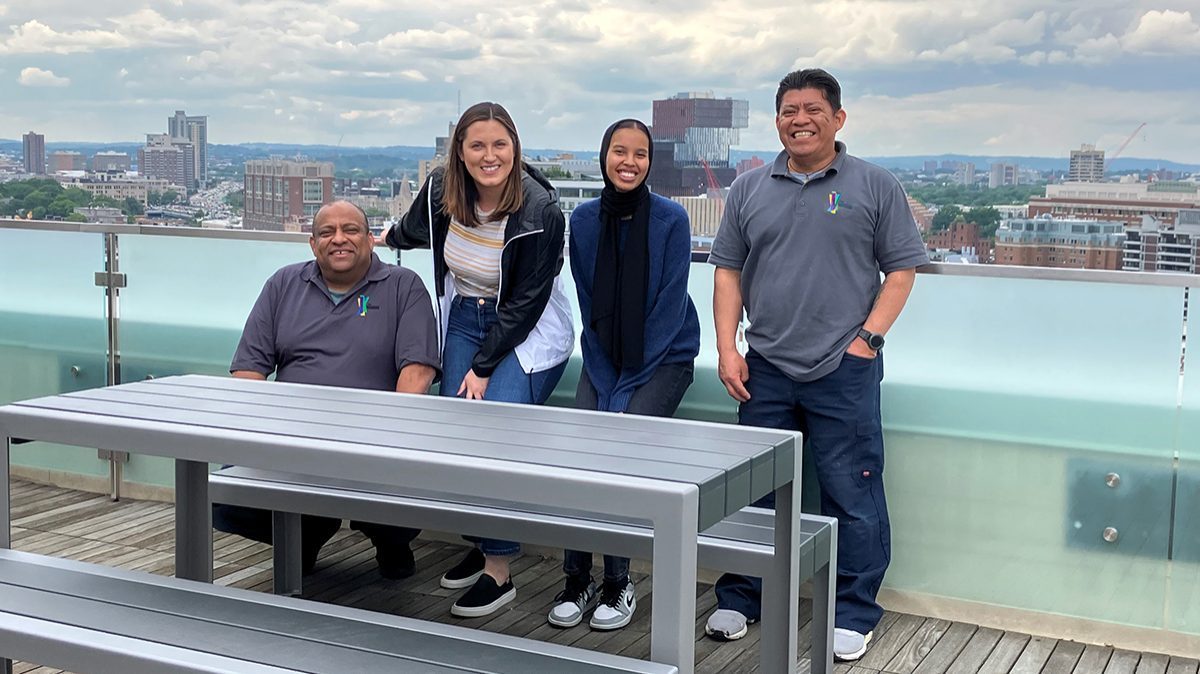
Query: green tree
{"x":132,"y":206}
{"x":60,"y":207}
{"x":76,"y":217}
{"x":945,"y":216}
{"x":987,"y":218}
{"x":77,"y":196}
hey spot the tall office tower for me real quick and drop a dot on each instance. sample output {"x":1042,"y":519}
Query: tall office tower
{"x":33,"y":145}
{"x":965,"y":173}
{"x":192,"y":129}
{"x":167,"y":158}
{"x":692,"y":130}
{"x":1087,"y":165}
{"x":1002,"y":175}
{"x":284,"y":195}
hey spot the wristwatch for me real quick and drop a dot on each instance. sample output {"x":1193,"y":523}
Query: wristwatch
{"x":874,"y":341}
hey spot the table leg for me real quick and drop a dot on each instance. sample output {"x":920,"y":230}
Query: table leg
{"x":673,"y":604}
{"x":824,"y":600}
{"x":193,"y":522}
{"x":286,"y":553}
{"x":781,"y":587}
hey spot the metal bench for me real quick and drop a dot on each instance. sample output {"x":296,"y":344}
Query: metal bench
{"x":742,"y":543}
{"x":96,"y":619}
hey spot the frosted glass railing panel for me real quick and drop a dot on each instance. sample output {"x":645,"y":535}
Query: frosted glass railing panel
{"x":1060,"y":363}
{"x":52,"y":333}
{"x":1183,"y":601}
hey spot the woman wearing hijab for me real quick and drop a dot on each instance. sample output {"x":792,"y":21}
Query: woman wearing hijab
{"x":630,"y":256}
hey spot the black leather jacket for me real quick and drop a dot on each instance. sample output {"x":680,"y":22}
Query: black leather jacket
{"x":531,"y":259}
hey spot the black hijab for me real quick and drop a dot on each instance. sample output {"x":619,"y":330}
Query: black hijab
{"x":622,"y":271}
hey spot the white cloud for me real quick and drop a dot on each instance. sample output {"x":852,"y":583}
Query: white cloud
{"x":36,"y":77}
{"x":35,"y":37}
{"x":1164,"y":31}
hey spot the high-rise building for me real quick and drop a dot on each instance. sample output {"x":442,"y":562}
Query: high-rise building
{"x":692,"y":130}
{"x":1161,"y":247}
{"x":748,"y":164}
{"x":929,"y":167}
{"x":965,"y":173}
{"x":1087,"y":165}
{"x":168,"y":158}
{"x":110,"y":161}
{"x":33,"y":145}
{"x":66,"y":160}
{"x":192,"y":129}
{"x":1002,"y":175}
{"x":284,"y":195}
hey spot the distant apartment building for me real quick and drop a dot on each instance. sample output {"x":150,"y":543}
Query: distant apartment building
{"x":1062,"y":243}
{"x":168,"y":158}
{"x":958,"y":236}
{"x":929,"y":167}
{"x":103,"y":162}
{"x":1157,"y":247}
{"x":748,"y":164}
{"x":1087,"y":165}
{"x":965,"y":173}
{"x":66,"y":160}
{"x":33,"y":147}
{"x":192,"y":129}
{"x":284,"y":195}
{"x":703,"y":213}
{"x":1003,"y":175}
{"x":571,"y":193}
{"x":120,"y":187}
{"x":921,"y":215}
{"x":101,"y":214}
{"x":692,"y":136}
{"x":1117,"y":202}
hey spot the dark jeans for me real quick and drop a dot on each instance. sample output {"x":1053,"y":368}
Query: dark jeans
{"x":469,"y":321}
{"x":659,"y":397}
{"x":839,"y":416}
{"x":315,"y":531}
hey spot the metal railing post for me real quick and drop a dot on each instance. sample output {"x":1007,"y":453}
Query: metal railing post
{"x":112,"y":280}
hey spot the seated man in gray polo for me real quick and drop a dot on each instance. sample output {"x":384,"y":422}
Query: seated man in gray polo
{"x":343,"y":319}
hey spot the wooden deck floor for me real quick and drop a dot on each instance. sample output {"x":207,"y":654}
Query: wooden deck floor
{"x":139,"y":535}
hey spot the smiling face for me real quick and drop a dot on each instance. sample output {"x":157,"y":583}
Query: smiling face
{"x":342,"y":244}
{"x":808,"y":126}
{"x":628,"y":159}
{"x":487,"y":153}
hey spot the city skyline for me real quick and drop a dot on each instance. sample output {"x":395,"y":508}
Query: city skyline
{"x":919,"y":77}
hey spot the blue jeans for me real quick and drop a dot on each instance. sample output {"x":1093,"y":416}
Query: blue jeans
{"x":839,"y":416}
{"x":469,"y":321}
{"x":658,"y":397}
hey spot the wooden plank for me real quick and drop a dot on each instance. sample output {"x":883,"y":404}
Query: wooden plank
{"x":1005,"y":654}
{"x":1035,"y":655}
{"x":1152,"y":663}
{"x":946,"y":650}
{"x":884,"y":648}
{"x":971,"y":658}
{"x":1180,"y":665}
{"x":1094,"y":659}
{"x":922,"y":642}
{"x":1064,"y":658}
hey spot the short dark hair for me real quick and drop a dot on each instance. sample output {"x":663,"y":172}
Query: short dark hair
{"x":810,"y":78}
{"x":366,"y":221}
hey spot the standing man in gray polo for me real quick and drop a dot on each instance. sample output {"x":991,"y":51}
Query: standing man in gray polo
{"x":346,"y":319}
{"x":801,"y":248}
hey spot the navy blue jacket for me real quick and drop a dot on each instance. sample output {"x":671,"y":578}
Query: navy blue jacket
{"x":672,"y":326}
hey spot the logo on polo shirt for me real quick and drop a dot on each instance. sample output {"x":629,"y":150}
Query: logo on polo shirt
{"x":835,"y":201}
{"x":362,"y":304}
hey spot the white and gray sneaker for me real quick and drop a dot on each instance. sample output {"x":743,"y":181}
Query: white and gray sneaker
{"x":849,"y":645}
{"x":576,"y":599}
{"x":617,"y":604}
{"x":727,"y":625}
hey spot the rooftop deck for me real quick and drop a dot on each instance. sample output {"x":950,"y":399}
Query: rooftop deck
{"x":139,"y":535}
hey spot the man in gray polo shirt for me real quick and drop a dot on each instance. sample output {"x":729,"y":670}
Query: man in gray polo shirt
{"x":343,"y":319}
{"x":801,"y":248}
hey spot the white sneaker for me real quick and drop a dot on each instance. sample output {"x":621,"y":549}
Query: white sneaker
{"x":849,"y":645}
{"x":727,"y":625}
{"x":616,"y":606}
{"x":572,"y":603}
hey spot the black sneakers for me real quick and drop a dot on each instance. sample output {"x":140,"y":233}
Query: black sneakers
{"x":465,"y":573}
{"x":395,"y":562}
{"x":484,"y":597}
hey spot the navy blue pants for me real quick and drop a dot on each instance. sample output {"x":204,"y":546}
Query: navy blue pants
{"x":839,"y":416}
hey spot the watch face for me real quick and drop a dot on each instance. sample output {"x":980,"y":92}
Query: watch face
{"x":876,"y":342}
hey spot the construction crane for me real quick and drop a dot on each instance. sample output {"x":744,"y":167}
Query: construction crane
{"x":1122,"y":147}
{"x":714,"y":187}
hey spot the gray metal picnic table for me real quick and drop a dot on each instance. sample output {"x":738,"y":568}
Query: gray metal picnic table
{"x":680,"y":476}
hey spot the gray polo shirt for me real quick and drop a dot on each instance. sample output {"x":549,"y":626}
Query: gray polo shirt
{"x":297,"y":331}
{"x":810,"y":254}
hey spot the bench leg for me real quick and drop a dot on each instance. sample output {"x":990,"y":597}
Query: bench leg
{"x":285,"y":536}
{"x":673,"y":598}
{"x":824,"y":599}
{"x":781,"y":587}
{"x":193,"y":522}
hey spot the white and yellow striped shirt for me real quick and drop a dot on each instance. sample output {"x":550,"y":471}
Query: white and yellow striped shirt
{"x":473,"y":256}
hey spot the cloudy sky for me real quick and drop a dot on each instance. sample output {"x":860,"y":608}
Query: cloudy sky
{"x":1019,"y":77}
